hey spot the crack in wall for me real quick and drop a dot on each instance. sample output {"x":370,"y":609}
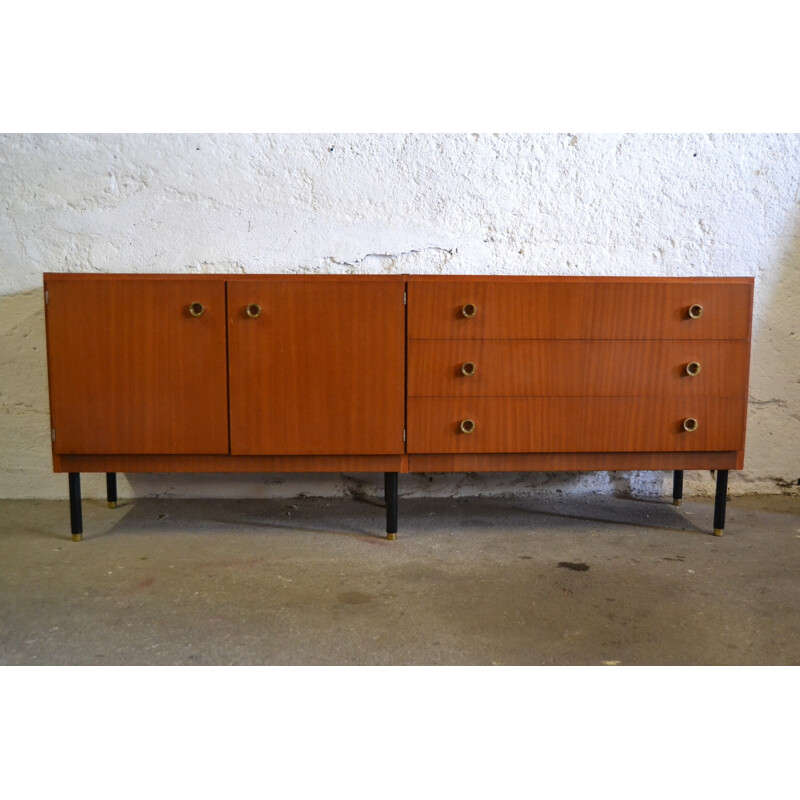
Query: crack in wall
{"x":773,"y":403}
{"x":387,"y":262}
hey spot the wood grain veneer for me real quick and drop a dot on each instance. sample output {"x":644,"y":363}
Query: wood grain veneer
{"x":321,"y":370}
{"x":573,"y":424}
{"x":607,"y":368}
{"x":421,"y":462}
{"x":592,"y":308}
{"x":131,"y":371}
{"x":228,"y":463}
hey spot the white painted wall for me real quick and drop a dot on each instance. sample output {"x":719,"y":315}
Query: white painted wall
{"x":705,"y":205}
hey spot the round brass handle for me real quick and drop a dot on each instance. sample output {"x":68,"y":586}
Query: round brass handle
{"x":693,"y":368}
{"x":690,"y":424}
{"x":468,"y":369}
{"x":253,"y":310}
{"x":196,"y":309}
{"x":467,"y":426}
{"x":469,"y":310}
{"x":696,"y":311}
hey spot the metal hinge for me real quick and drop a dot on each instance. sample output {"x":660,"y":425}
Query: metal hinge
{"x":47,"y":298}
{"x":53,"y":434}
{"x":404,"y":434}
{"x":405,"y":298}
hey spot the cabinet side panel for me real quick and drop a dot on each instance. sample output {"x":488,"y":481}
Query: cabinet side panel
{"x":132,"y":371}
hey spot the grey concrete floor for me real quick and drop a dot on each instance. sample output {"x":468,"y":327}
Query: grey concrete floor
{"x":528,"y":581}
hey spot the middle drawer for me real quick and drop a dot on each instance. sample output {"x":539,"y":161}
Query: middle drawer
{"x":565,"y":368}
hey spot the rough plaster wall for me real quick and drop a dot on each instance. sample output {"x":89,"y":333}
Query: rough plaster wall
{"x":706,"y":205}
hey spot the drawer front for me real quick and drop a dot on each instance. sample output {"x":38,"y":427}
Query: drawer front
{"x":624,"y":368}
{"x":574,"y":425}
{"x":460,"y":308}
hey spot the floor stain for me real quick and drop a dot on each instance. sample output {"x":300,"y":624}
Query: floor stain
{"x":577,"y":566}
{"x":354,"y":598}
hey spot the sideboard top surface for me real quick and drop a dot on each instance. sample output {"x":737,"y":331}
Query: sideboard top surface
{"x":404,"y":277}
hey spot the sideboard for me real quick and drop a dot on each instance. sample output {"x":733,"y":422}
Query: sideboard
{"x":396,"y":374}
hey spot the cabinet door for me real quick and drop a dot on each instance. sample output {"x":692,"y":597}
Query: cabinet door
{"x":317,"y":366}
{"x":131,"y":370}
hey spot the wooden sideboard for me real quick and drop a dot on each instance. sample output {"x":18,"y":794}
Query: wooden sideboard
{"x":396,"y":374}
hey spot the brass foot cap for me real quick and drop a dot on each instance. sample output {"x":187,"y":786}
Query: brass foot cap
{"x":677,"y":502}
{"x":112,"y":505}
{"x":718,"y":531}
{"x":391,"y":536}
{"x":77,"y":537}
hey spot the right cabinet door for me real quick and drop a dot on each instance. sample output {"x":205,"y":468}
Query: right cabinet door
{"x":317,"y":365}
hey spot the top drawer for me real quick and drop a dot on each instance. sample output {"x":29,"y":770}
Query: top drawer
{"x":579,"y":308}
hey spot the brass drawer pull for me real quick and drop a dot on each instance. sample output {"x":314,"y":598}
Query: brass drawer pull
{"x":196,"y":309}
{"x":693,"y":368}
{"x":469,"y":310}
{"x":690,"y":424}
{"x":468,"y":369}
{"x":696,"y":311}
{"x":253,"y":310}
{"x":467,"y":426}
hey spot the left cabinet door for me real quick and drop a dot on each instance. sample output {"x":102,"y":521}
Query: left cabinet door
{"x":137,"y":365}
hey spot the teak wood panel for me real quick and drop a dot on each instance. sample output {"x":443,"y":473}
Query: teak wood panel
{"x":437,"y":462}
{"x":586,"y":309}
{"x":621,"y":368}
{"x":574,"y":424}
{"x":131,"y":371}
{"x":321,"y":370}
{"x":228,"y":463}
{"x":555,"y":462}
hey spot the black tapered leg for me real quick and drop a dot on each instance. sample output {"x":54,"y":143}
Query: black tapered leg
{"x":111,"y":489}
{"x":75,"y":515}
{"x":677,"y":486}
{"x":390,"y":484}
{"x":720,"y":501}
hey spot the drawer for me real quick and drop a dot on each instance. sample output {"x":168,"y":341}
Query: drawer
{"x":568,"y":308}
{"x":607,"y":368}
{"x":574,"y":424}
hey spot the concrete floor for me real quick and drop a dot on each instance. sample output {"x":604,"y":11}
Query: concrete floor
{"x":530,"y":581}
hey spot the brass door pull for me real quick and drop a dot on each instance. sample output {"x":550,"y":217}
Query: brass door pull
{"x":469,"y":310}
{"x":196,"y":309}
{"x":690,"y":424}
{"x":693,"y":368}
{"x":696,"y":311}
{"x":467,"y":426}
{"x":468,"y":369}
{"x":253,"y":310}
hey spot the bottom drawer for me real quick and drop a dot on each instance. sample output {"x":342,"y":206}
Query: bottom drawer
{"x":573,"y":424}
